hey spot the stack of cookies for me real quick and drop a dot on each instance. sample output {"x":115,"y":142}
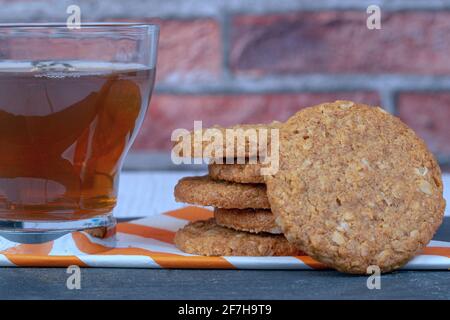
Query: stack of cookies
{"x":355,"y":188}
{"x":243,"y":224}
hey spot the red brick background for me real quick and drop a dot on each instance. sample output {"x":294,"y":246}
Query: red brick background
{"x":339,"y":42}
{"x":297,"y":44}
{"x":428,"y":113}
{"x":230,"y":62}
{"x":169,"y":112}
{"x":189,"y":50}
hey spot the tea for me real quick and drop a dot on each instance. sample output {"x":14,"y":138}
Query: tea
{"x":64,"y":130}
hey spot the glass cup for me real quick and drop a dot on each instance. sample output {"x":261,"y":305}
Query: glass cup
{"x":71,"y":103}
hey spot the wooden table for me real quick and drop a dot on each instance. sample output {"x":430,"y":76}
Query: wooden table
{"x":43,"y":283}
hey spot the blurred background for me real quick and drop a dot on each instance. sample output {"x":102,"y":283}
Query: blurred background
{"x":252,"y":61}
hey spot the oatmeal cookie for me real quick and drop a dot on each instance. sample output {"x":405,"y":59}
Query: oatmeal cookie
{"x":250,"y":220}
{"x":356,"y":187}
{"x":240,"y":173}
{"x":209,"y":239}
{"x":221,"y":194}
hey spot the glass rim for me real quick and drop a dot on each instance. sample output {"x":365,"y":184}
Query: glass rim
{"x":92,"y":25}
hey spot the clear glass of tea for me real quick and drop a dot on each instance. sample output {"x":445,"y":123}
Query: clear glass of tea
{"x":71,"y":103}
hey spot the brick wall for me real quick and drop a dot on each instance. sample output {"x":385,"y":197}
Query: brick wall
{"x":254,"y":61}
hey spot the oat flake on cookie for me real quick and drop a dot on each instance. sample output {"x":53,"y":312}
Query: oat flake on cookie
{"x":356,"y":187}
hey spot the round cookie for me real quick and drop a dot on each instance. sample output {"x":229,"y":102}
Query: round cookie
{"x":209,"y":239}
{"x":240,"y":173}
{"x":356,"y":187}
{"x":249,"y":220}
{"x":221,"y":194}
{"x":197,"y":146}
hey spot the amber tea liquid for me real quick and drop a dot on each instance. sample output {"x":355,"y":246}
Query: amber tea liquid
{"x":64,"y":130}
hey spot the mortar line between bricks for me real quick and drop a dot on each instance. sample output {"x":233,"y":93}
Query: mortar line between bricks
{"x":395,"y":97}
{"x":275,"y":7}
{"x":160,"y":160}
{"x":190,"y":9}
{"x":388,"y":102}
{"x":224,"y":21}
{"x":157,"y":160}
{"x":311,"y":83}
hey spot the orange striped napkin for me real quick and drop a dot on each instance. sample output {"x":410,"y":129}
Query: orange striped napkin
{"x":148,"y":243}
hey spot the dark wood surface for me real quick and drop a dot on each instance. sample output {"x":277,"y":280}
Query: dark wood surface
{"x":96,"y":283}
{"x":33,"y":283}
